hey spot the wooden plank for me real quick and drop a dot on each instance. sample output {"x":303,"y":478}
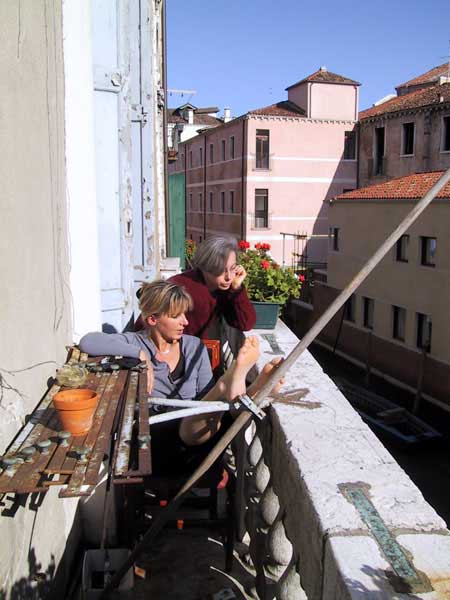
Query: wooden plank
{"x":145,"y":456}
{"x":112,"y":396}
{"x":22,"y":475}
{"x":126,"y":430}
{"x":97,"y":439}
{"x":63,"y":460}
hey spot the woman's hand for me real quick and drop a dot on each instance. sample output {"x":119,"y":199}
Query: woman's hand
{"x":239,"y":275}
{"x":143,"y":357}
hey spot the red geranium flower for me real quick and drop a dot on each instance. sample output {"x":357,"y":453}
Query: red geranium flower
{"x":265,"y":264}
{"x":243,"y":245}
{"x":265,"y":246}
{"x":301,"y":278}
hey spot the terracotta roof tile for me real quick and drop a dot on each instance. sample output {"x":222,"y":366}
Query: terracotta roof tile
{"x":430,"y":76}
{"x":409,"y":187}
{"x":325,"y":76}
{"x":417,"y":99}
{"x":174,"y":116}
{"x":280,"y":109}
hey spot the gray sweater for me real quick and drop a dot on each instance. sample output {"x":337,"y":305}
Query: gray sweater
{"x":196,"y":380}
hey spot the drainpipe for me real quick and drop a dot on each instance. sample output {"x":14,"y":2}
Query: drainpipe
{"x":204,"y":187}
{"x":358,"y":144}
{"x":165,"y":150}
{"x":185,"y":191}
{"x":243,"y":189}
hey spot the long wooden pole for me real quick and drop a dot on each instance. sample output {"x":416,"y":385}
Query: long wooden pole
{"x":310,"y":336}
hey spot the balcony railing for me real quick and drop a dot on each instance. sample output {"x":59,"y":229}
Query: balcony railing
{"x":260,"y":221}
{"x":306,"y":477}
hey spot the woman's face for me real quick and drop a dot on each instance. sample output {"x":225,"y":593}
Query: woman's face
{"x":222,"y":281}
{"x":170,"y":328}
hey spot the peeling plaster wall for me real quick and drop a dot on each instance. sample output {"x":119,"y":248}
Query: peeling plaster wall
{"x":35,"y":304}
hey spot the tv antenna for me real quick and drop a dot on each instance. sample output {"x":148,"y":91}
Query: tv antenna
{"x":182,"y":93}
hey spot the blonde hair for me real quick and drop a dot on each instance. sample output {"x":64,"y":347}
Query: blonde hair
{"x":163,"y":298}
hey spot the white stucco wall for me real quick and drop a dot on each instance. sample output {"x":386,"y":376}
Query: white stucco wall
{"x":35,"y":303}
{"x":80,"y":167}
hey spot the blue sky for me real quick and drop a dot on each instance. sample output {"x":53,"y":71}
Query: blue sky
{"x":244,"y":53}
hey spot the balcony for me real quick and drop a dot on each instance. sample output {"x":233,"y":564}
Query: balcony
{"x":260,"y":220}
{"x":314,"y":487}
{"x":322,"y":509}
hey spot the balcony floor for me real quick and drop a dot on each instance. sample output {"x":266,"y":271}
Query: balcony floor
{"x":188,"y":565}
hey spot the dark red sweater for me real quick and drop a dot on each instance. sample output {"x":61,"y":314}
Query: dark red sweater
{"x":235,"y":307}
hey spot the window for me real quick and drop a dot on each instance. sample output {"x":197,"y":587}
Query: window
{"x":190,"y":159}
{"x":446,"y":134}
{"x":408,"y":138}
{"x":262,"y":148}
{"x":222,"y":202}
{"x":428,"y":251}
{"x":368,"y":308}
{"x":398,"y":323}
{"x":211,"y":201}
{"x":424,"y":327}
{"x":190,"y":200}
{"x":262,"y":208}
{"x":401,"y":249}
{"x":201,"y":156}
{"x":200,"y":201}
{"x":211,"y":153}
{"x":349,"y":309}
{"x":232,"y":202}
{"x":232,"y":147}
{"x":333,"y":239}
{"x":349,"y":145}
{"x":223,"y":146}
{"x":378,"y":151}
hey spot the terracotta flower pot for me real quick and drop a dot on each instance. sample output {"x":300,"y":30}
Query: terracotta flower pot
{"x":76,"y":409}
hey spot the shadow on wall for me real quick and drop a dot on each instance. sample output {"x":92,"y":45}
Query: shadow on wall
{"x":379,"y":589}
{"x":38,"y":584}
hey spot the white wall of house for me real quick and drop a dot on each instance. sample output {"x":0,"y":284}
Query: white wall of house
{"x":35,"y":302}
{"x":80,"y":168}
{"x":50,"y":237}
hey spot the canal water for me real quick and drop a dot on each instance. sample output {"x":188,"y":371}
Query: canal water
{"x":427,"y":465}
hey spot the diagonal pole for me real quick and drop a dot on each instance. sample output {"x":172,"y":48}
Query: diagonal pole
{"x":262,"y":394}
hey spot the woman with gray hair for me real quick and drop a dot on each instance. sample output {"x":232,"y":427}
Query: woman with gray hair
{"x":216,"y":287}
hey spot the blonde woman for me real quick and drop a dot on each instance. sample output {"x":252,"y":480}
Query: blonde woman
{"x":178,"y":367}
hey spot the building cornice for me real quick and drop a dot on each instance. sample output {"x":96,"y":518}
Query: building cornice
{"x":301,"y":119}
{"x":405,"y":112}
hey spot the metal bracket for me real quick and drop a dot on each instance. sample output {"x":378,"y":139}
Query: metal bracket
{"x":248,"y":403}
{"x":139,"y":113}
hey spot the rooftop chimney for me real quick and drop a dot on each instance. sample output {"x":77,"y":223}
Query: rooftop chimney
{"x":323,"y":68}
{"x":190,"y":114}
{"x":226,"y":115}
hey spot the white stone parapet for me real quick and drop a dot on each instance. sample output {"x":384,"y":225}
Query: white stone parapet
{"x":306,"y":539}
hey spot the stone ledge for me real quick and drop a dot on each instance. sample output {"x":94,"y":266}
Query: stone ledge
{"x":318,"y":445}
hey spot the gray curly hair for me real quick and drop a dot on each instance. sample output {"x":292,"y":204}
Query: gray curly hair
{"x":212,"y":254}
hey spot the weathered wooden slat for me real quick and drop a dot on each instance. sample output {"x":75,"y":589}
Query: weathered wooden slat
{"x":112,"y":396}
{"x":126,"y":430}
{"x":63,"y":459}
{"x":28,"y":474}
{"x":145,"y":457}
{"x":40,"y":415}
{"x":86,"y":474}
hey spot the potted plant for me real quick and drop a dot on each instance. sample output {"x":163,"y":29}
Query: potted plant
{"x":268,"y":285}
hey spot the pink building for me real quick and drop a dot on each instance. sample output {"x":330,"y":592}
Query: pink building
{"x":272,"y":170}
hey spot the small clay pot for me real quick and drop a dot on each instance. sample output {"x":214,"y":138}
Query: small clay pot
{"x":76,"y":409}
